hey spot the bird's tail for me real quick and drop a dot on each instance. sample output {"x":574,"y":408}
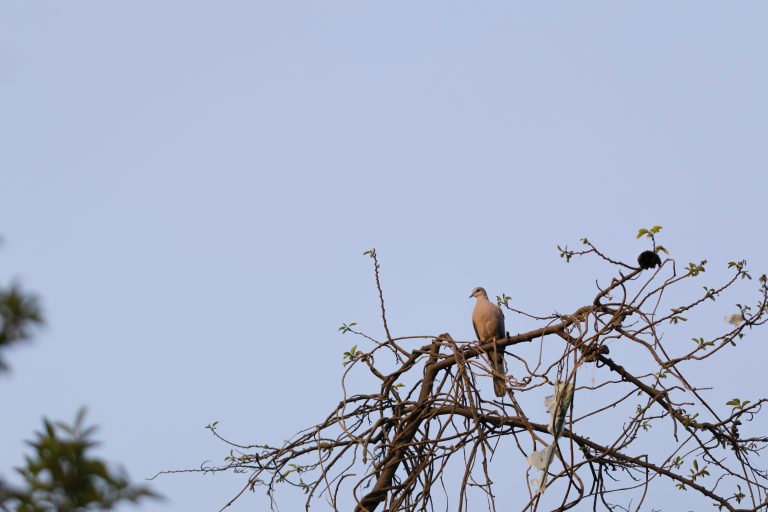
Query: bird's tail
{"x":499,"y":374}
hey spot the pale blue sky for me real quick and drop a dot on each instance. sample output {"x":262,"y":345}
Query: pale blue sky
{"x":190,"y":185}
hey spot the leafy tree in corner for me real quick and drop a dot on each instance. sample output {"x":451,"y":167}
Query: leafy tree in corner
{"x":61,"y":474}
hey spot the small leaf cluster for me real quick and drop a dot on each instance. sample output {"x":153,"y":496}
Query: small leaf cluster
{"x":565,"y":253}
{"x":694,"y":269}
{"x":703,"y":344}
{"x":352,"y":355}
{"x":740,"y":267}
{"x":710,"y":293}
{"x":676,"y":317}
{"x":294,"y":468}
{"x":371,"y":253}
{"x":738,"y":496}
{"x":737,"y":404}
{"x":695,"y":472}
{"x":648,"y":232}
{"x":345,"y":328}
{"x":688,"y":420}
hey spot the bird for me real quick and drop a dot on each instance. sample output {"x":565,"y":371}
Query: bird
{"x":488,"y":321}
{"x":648,"y":259}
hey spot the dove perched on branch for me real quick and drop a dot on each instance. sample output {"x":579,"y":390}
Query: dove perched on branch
{"x":488,"y":321}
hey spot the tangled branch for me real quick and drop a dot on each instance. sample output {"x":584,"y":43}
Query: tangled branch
{"x":429,"y":433}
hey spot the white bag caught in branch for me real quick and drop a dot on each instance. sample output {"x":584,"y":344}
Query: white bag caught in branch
{"x":557,"y":406}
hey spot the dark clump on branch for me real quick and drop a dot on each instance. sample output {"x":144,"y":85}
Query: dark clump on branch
{"x":648,"y":259}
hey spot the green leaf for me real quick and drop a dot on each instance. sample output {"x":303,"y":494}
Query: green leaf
{"x":642,"y":232}
{"x":346,"y":327}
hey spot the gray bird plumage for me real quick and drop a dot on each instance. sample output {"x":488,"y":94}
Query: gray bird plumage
{"x":488,"y":321}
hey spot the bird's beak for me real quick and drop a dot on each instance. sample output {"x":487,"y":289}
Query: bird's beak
{"x":471,"y":295}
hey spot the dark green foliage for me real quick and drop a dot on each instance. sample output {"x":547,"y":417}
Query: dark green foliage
{"x":19,"y":313}
{"x":62,"y":475}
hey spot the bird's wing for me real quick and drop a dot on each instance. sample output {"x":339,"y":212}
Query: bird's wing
{"x":500,"y":331}
{"x":478,"y":322}
{"x":474,"y":326}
